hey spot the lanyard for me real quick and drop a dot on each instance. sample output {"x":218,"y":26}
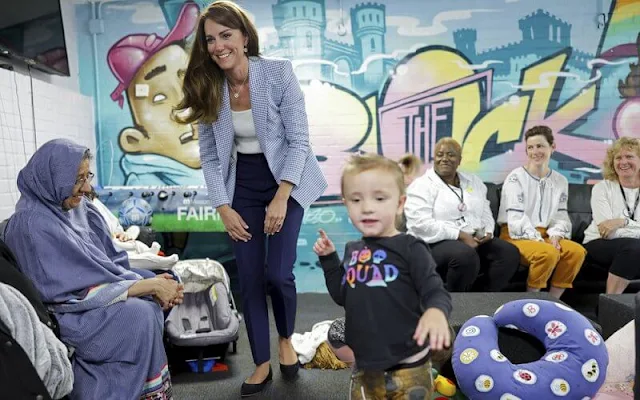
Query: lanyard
{"x":630,"y":213}
{"x":462,"y":207}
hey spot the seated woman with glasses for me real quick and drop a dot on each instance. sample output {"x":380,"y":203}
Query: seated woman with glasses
{"x":111,"y":315}
{"x":613,"y":237}
{"x":449,"y":210}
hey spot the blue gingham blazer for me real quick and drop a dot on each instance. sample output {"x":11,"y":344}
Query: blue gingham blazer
{"x":280,"y":119}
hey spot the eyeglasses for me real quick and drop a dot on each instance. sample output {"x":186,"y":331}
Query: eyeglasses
{"x":82,"y":181}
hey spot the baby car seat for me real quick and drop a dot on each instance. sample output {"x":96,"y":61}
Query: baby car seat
{"x":206,"y":318}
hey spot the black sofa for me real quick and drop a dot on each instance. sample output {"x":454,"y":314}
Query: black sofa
{"x":636,"y":386}
{"x":592,"y":277}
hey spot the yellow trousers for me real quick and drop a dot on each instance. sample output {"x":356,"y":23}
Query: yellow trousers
{"x":543,"y":258}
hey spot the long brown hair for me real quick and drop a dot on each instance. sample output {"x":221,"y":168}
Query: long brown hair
{"x":203,"y":79}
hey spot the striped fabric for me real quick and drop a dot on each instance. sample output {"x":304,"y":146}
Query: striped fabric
{"x":280,"y":119}
{"x":158,"y":387}
{"x":119,"y":351}
{"x":97,"y":296}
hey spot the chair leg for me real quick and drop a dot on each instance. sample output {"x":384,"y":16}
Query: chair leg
{"x":200,"y":361}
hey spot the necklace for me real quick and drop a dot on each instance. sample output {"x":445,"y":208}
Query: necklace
{"x":236,"y":94}
{"x":628,"y":212}
{"x":462,"y":207}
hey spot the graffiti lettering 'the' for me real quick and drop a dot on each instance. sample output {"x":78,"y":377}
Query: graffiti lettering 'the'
{"x":462,"y":107}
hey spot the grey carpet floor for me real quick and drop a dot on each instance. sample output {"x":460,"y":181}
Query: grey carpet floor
{"x":311,"y":384}
{"x":318,"y":384}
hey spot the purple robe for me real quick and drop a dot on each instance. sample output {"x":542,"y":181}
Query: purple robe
{"x":82,"y":278}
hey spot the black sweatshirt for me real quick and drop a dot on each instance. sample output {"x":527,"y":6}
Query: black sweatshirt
{"x":385,"y":285}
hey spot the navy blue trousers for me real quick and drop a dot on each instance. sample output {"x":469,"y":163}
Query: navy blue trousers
{"x":265,"y":263}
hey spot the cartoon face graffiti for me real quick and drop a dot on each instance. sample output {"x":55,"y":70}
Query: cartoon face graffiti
{"x":155,"y":131}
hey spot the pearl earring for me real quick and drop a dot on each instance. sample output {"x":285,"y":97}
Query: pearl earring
{"x":245,"y":49}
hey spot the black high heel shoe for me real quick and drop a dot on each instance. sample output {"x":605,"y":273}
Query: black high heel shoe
{"x":250,"y":389}
{"x":289,"y":372}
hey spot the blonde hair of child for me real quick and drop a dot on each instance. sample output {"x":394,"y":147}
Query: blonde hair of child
{"x":411,"y":164}
{"x":360,"y":163}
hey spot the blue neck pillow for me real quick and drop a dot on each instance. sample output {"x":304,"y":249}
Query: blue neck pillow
{"x":573,"y":367}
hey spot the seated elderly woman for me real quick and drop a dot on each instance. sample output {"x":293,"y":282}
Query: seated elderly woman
{"x":449,"y":210}
{"x":111,"y":315}
{"x":613,"y":237}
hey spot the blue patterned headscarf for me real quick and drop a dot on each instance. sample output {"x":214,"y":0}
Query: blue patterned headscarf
{"x":69,"y":255}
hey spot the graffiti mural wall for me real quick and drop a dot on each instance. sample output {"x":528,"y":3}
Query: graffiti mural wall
{"x":388,"y":77}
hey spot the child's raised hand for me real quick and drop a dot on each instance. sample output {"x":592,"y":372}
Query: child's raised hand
{"x":324,"y":246}
{"x":433,"y":323}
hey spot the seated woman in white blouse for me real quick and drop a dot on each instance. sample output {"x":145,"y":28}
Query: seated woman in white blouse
{"x":612,"y":239}
{"x":533,"y":216}
{"x":449,"y":210}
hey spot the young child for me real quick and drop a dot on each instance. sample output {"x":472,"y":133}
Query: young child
{"x":393,"y":297}
{"x":411,"y":167}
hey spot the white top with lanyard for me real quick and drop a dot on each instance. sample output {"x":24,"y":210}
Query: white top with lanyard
{"x":609,"y":200}
{"x":528,"y":202}
{"x":436,"y":211}
{"x":630,"y":205}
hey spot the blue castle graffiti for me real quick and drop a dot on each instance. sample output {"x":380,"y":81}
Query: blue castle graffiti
{"x":301,"y":27}
{"x":542,"y":34}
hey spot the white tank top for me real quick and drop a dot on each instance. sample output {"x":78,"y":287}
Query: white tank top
{"x":245,"y":132}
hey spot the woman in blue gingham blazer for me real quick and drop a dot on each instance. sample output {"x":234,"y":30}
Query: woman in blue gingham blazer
{"x":280,"y":119}
{"x":258,"y":166}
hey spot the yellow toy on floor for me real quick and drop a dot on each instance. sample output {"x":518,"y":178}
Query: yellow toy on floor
{"x":442,"y":385}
